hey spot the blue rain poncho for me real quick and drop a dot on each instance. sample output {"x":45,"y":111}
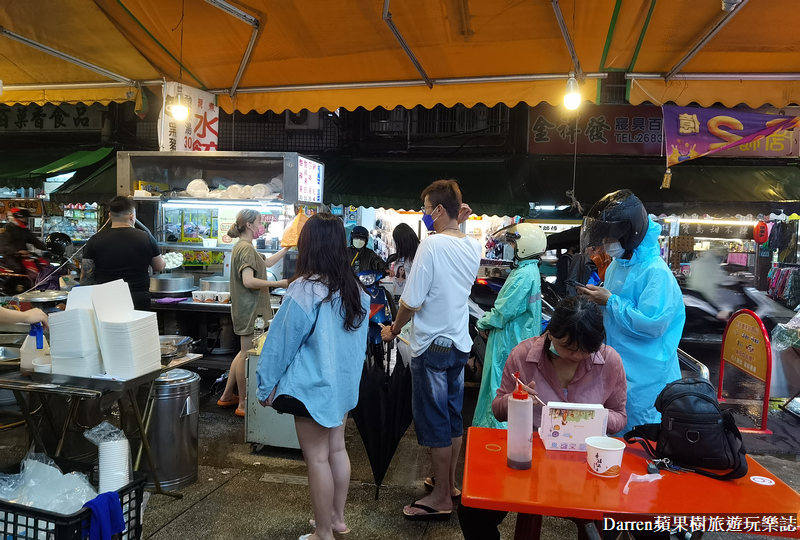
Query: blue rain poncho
{"x":516,"y":316}
{"x":644,"y":320}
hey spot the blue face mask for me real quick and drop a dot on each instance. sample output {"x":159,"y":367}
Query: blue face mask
{"x":428,"y":221}
{"x":614,"y":249}
{"x":553,"y":349}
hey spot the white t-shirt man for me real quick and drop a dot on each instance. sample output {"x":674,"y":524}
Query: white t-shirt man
{"x":445,"y":267}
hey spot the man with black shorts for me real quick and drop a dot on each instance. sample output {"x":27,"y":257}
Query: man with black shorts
{"x":435,"y":300}
{"x":122,"y":252}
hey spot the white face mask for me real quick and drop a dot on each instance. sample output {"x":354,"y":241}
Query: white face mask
{"x":614,"y":249}
{"x":359,"y":243}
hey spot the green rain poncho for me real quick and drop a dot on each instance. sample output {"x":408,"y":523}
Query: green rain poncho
{"x":516,"y":316}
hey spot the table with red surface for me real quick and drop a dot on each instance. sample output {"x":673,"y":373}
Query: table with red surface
{"x":560,"y":484}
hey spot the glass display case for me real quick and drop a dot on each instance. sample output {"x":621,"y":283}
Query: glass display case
{"x":80,"y":222}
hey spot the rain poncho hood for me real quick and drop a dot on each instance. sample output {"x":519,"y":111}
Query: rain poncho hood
{"x":516,"y":316}
{"x":644,"y":320}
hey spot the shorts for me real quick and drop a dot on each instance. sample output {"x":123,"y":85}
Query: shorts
{"x":289,"y":405}
{"x":437,"y":382}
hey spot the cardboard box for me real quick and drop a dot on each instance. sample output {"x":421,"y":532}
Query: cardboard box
{"x":565,"y":426}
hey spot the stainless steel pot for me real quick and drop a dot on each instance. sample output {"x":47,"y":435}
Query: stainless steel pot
{"x":216,"y":284}
{"x":42,"y":297}
{"x":171,"y":283}
{"x":182,"y":344}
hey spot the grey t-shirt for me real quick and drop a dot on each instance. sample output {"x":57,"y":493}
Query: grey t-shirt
{"x":246,"y":303}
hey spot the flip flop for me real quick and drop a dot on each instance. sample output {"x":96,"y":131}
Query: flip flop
{"x":240,"y":412}
{"x":338,"y":535}
{"x":430,"y":482}
{"x":231,"y":403}
{"x":431,"y":514}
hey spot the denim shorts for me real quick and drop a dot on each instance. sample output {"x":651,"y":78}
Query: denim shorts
{"x":437,"y":378}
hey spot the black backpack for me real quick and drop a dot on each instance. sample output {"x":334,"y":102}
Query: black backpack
{"x":694,"y":432}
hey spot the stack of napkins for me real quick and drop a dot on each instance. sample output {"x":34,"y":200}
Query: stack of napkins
{"x":128,"y":338}
{"x":73,"y":336}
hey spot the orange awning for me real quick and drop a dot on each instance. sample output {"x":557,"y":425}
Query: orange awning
{"x":331,"y":54}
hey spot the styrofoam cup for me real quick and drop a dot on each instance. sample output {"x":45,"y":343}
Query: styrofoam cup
{"x":604,"y":456}
{"x":198,"y":296}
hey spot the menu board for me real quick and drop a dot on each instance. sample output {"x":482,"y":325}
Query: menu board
{"x":309,"y":180}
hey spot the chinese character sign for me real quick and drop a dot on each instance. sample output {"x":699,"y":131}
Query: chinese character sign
{"x":606,"y":129}
{"x":199,"y":131}
{"x":694,"y":132}
{"x":51,"y":117}
{"x":309,"y":180}
{"x":746,"y":346}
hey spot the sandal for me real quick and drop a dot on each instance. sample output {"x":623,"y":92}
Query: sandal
{"x":240,"y":412}
{"x":232,"y":403}
{"x":338,"y":535}
{"x":431,"y":514}
{"x":430,"y":482}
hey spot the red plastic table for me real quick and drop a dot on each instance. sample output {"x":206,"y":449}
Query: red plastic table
{"x":560,"y":484}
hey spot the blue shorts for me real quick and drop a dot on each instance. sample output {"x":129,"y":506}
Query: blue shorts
{"x":438,"y":395}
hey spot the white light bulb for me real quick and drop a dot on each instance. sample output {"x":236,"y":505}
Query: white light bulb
{"x":179,"y":111}
{"x":572,"y":99}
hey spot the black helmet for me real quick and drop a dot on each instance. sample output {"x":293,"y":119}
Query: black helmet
{"x":359,"y":232}
{"x":57,"y":243}
{"x":619,"y":215}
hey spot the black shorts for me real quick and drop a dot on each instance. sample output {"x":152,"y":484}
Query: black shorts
{"x":289,"y":405}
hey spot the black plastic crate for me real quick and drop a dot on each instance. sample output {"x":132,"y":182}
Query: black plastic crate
{"x":17,"y":521}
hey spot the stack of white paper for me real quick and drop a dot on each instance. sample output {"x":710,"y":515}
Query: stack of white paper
{"x":128,"y":338}
{"x":73,"y":334}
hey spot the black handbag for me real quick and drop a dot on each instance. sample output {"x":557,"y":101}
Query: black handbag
{"x":694,"y":432}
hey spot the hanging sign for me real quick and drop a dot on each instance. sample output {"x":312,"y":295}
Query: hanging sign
{"x":50,"y":117}
{"x":694,"y":132}
{"x":34,"y":206}
{"x":198,"y":132}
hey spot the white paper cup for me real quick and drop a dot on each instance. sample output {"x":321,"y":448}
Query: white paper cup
{"x":604,"y":456}
{"x":224,"y":297}
{"x":198,"y":296}
{"x":210,"y":296}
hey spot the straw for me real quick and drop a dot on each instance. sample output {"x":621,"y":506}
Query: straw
{"x":534,"y":396}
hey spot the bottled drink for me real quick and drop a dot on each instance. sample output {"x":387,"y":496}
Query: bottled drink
{"x":520,"y":429}
{"x":258,"y":328}
{"x":34,"y":346}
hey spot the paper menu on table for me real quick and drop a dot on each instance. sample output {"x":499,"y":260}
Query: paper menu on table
{"x":112,"y":301}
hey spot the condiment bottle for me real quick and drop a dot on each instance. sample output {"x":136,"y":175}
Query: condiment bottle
{"x":34,"y":346}
{"x":520,"y":429}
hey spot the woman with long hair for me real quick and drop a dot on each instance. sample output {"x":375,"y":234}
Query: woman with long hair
{"x":311,"y":364}
{"x":249,"y":299}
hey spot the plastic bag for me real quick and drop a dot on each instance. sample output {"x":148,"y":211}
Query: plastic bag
{"x":292,"y":232}
{"x":104,"y":432}
{"x":41,"y":484}
{"x":787,"y":335}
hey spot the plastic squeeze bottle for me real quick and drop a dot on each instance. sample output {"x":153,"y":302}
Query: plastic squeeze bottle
{"x":34,"y":346}
{"x":520,"y":429}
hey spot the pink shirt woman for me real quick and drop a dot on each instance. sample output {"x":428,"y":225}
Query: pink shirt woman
{"x":570,"y":364}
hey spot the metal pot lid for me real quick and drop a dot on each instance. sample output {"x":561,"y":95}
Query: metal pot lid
{"x":176,"y":376}
{"x":43,"y":296}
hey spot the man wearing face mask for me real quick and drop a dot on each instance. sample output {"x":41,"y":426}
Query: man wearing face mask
{"x":643,"y":305}
{"x":361,"y":257}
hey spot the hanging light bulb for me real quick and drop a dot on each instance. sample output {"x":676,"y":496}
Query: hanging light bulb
{"x":179,"y":110}
{"x":572,"y":99}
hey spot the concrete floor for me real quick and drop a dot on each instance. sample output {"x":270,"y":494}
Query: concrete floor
{"x":241,"y":494}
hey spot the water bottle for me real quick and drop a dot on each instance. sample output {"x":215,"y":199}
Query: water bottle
{"x":520,"y":429}
{"x":258,"y":328}
{"x":34,"y":346}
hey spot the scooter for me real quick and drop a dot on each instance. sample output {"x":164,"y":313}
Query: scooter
{"x":26,"y":272}
{"x":382,"y":311}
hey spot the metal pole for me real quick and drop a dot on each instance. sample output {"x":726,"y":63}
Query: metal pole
{"x":245,"y":60}
{"x":568,"y":40}
{"x":720,"y":24}
{"x":387,"y":18}
{"x":76,"y":85}
{"x":407,"y":83}
{"x":718,"y":76}
{"x":66,"y":57}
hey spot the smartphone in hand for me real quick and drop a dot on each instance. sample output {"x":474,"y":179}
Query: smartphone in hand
{"x":576,"y":284}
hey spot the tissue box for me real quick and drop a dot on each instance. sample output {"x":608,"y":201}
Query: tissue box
{"x":565,"y":426}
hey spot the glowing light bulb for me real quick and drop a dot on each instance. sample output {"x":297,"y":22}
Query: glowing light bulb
{"x":179,"y":110}
{"x":572,"y":99}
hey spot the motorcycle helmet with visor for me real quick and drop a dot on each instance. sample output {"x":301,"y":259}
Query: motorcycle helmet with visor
{"x":528,"y":239}
{"x":619,"y":216}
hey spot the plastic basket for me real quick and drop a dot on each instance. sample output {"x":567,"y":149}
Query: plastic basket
{"x":17,"y":521}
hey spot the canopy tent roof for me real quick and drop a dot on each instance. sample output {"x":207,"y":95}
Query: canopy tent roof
{"x":29,"y":168}
{"x":345,"y":54}
{"x":89,"y":185}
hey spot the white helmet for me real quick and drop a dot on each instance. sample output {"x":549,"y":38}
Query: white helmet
{"x":529,"y":240}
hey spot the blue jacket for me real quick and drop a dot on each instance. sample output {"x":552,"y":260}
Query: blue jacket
{"x":515,"y":317}
{"x":644,"y":320}
{"x":310,"y":356}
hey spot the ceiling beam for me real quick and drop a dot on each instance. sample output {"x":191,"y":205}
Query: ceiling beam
{"x":568,"y":41}
{"x":387,"y":18}
{"x":719,"y":76}
{"x":719,"y":25}
{"x":66,"y":57}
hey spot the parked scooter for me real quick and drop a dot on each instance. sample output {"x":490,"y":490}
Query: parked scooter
{"x":382,"y":311}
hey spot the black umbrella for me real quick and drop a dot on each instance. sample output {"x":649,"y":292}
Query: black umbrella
{"x":383,"y":413}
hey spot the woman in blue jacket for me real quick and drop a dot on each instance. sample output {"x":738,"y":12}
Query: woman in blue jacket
{"x":311,"y":362}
